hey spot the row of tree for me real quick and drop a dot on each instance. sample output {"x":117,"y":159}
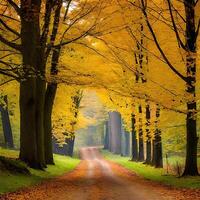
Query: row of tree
{"x":34,"y":34}
{"x":119,"y":141}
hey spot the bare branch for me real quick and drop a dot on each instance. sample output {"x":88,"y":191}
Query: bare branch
{"x":9,"y":74}
{"x":175,"y":27}
{"x":10,"y":44}
{"x":157,"y":43}
{"x":8,"y":81}
{"x":197,"y":31}
{"x":67,"y":9}
{"x":73,"y":39}
{"x":8,"y":28}
{"x":15,"y":6}
{"x":54,"y":30}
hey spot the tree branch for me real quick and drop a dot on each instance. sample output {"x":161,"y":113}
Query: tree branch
{"x":157,"y":43}
{"x":197,"y":31}
{"x":175,"y":28}
{"x":73,"y":39}
{"x":10,"y":44}
{"x":9,"y":29}
{"x":15,"y":6}
{"x":8,"y":81}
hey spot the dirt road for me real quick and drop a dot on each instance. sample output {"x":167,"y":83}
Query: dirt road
{"x":97,"y":179}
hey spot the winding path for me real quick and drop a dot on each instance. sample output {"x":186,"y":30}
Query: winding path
{"x":98,"y":179}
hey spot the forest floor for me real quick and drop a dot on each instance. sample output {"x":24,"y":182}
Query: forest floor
{"x":98,"y":179}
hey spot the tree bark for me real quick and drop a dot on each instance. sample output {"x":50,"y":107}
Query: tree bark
{"x":70,"y":146}
{"x":8,"y":137}
{"x":134,"y":140}
{"x":40,"y":102}
{"x":157,"y":158}
{"x":30,"y":37}
{"x":48,"y":107}
{"x":148,"y":137}
{"x":141,"y":146}
{"x":191,"y":124}
{"x":106,"y":136}
{"x":127,"y":143}
{"x":192,"y":142}
{"x":115,"y":121}
{"x":141,"y":141}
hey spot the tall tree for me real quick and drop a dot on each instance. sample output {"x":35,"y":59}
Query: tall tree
{"x":30,"y":42}
{"x":189,"y":46}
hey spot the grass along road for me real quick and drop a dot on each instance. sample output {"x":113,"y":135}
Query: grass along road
{"x":98,"y":179}
{"x":153,"y":174}
{"x":11,"y":182}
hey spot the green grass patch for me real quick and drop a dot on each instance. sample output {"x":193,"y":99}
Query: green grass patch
{"x":153,"y":174}
{"x":11,"y":182}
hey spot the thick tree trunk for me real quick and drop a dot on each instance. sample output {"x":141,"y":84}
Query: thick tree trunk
{"x":192,"y":142}
{"x":134,"y":140}
{"x":123,"y":141}
{"x":127,"y":143}
{"x":141,"y":146}
{"x":70,"y":146}
{"x":157,"y":158}
{"x":28,"y":144}
{"x":106,"y":136}
{"x":148,"y":152}
{"x":115,"y":122}
{"x":39,"y":112}
{"x":30,"y":37}
{"x":8,"y":137}
{"x":191,"y":124}
{"x":48,"y":107}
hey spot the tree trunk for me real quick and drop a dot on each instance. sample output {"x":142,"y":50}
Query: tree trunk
{"x":123,"y":141}
{"x":141,"y":141}
{"x":6,"y":124}
{"x":157,"y":158}
{"x":141,"y":146}
{"x":134,"y":140}
{"x":48,"y":107}
{"x":70,"y":146}
{"x":39,"y":112}
{"x":148,"y":152}
{"x":127,"y":143}
{"x":115,"y":121}
{"x":191,"y":124}
{"x":148,"y":137}
{"x":30,"y":37}
{"x":109,"y":133}
{"x":192,"y":142}
{"x":106,"y":137}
